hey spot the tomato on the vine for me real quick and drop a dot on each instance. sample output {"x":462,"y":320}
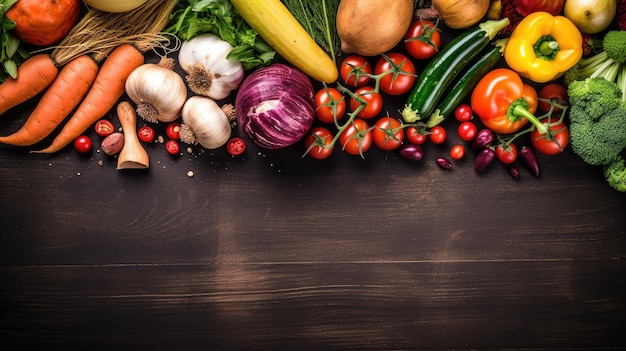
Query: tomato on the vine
{"x":327,"y":101}
{"x":552,"y":91}
{"x":146,"y":134}
{"x":401,"y":74}
{"x":388,"y":133}
{"x":317,"y":143}
{"x":555,"y":142}
{"x":467,"y":131}
{"x":83,"y":144}
{"x":423,"y":39}
{"x":437,"y":135}
{"x":457,"y":152}
{"x":415,"y":136}
{"x":506,"y":153}
{"x":463,"y":113}
{"x":373,"y":99}
{"x":354,"y":70}
{"x":356,"y":139}
{"x":173,"y":130}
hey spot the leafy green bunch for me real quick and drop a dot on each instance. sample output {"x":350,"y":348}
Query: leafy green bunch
{"x":11,"y":55}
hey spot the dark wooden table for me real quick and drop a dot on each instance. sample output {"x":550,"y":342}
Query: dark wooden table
{"x":274,"y":251}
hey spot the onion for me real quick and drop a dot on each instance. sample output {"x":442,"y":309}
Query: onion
{"x":457,"y":14}
{"x":275,"y":106}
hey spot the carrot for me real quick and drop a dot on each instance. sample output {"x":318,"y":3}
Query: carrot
{"x":65,"y":93}
{"x":33,"y":76}
{"x":106,"y":90}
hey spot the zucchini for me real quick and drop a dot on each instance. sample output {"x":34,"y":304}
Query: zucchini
{"x":464,"y":85}
{"x":434,"y":80}
{"x":280,"y":29}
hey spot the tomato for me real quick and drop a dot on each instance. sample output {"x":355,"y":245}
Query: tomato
{"x":506,"y":153}
{"x":172,"y":147}
{"x":415,"y":136}
{"x":388,"y":133}
{"x":318,"y":143}
{"x":423,"y":39}
{"x":328,"y":100}
{"x":83,"y":144}
{"x":173,"y":130}
{"x":553,"y":91}
{"x":463,"y":113}
{"x":401,"y":74}
{"x":354,"y":70}
{"x":467,"y":131}
{"x":104,"y":128}
{"x":457,"y":152}
{"x":554,"y":143}
{"x":374,"y":102}
{"x":437,"y":135}
{"x":356,"y":139}
{"x":235,"y":146}
{"x":146,"y":134}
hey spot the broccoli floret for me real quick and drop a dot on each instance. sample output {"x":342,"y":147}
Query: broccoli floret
{"x":597,"y":120}
{"x":615,"y":174}
{"x":614,"y":43}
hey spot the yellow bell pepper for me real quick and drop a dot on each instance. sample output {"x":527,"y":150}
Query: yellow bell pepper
{"x":542,"y":47}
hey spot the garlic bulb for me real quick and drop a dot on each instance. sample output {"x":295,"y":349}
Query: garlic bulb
{"x":158,"y":91}
{"x":209,"y":73}
{"x":205,"y":123}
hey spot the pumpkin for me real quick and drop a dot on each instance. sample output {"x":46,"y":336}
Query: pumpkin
{"x":44,"y":22}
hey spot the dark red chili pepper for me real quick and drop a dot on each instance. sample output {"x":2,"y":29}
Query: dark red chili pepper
{"x":529,"y":159}
{"x":444,"y":163}
{"x":412,"y":152}
{"x":514,"y":172}
{"x":484,"y":158}
{"x":483,"y":138}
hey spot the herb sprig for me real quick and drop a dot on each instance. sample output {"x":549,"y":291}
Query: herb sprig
{"x":11,"y":52}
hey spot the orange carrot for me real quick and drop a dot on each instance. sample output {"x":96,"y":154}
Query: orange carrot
{"x":33,"y":76}
{"x":103,"y":95}
{"x":65,"y":93}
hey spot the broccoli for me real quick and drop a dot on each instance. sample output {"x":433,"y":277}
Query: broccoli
{"x":607,"y":62}
{"x":615,"y":174}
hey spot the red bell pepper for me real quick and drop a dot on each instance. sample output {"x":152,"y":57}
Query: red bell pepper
{"x":504,"y":103}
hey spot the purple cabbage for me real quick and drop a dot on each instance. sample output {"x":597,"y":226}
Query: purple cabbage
{"x":275,"y":106}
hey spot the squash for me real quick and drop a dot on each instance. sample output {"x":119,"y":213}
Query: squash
{"x":277,"y":26}
{"x":43,"y":22}
{"x":115,"y":5}
{"x":372,"y":27}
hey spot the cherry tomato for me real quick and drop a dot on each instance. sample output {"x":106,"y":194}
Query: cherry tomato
{"x":356,"y":139}
{"x":463,"y":113}
{"x":173,"y":130}
{"x":437,"y":135}
{"x":554,"y":144}
{"x":172,"y":147}
{"x":388,"y":133}
{"x":354,"y":70}
{"x":83,"y":144}
{"x":326,"y":100}
{"x":550,"y":92}
{"x":423,"y":39}
{"x":104,"y":128}
{"x":317,"y":143}
{"x":467,"y":131}
{"x":457,"y":152}
{"x":401,"y":77}
{"x":146,"y":134}
{"x":507,"y":154}
{"x":415,"y":136}
{"x":235,"y":146}
{"x":374,"y":102}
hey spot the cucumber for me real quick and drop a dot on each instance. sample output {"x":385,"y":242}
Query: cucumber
{"x":434,"y":80}
{"x":464,"y":85}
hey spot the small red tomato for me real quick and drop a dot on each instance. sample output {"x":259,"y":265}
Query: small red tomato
{"x":83,"y":144}
{"x":317,"y":143}
{"x":172,"y":147}
{"x":437,"y":135}
{"x":457,"y":152}
{"x":415,"y":136}
{"x":552,"y":91}
{"x":374,"y":102}
{"x":356,"y":138}
{"x":146,"y":134}
{"x":330,"y":104}
{"x":354,"y":70}
{"x":401,"y":74}
{"x":463,"y":113}
{"x":388,"y":133}
{"x":553,"y":143}
{"x":467,"y":131}
{"x":104,"y":128}
{"x":236,"y":146}
{"x":507,"y":154}
{"x":423,"y":39}
{"x":173,"y":130}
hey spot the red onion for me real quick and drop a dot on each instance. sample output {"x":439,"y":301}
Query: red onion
{"x":275,"y":106}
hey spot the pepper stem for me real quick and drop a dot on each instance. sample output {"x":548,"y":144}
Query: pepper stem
{"x":519,"y":109}
{"x":546,"y":48}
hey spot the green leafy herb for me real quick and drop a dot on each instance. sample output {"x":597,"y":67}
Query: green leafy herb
{"x":219,"y":17}
{"x":11,"y":52}
{"x":318,"y":17}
